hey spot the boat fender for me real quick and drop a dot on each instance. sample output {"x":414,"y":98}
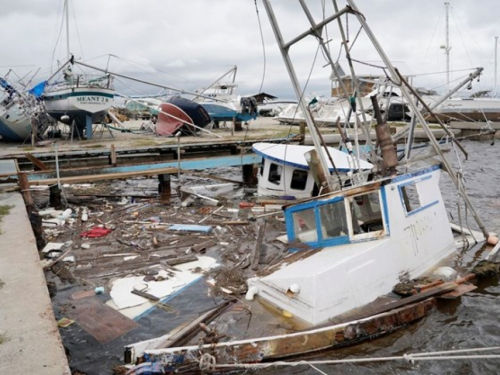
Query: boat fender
{"x":252,"y":291}
{"x":492,"y":239}
{"x":293,"y":289}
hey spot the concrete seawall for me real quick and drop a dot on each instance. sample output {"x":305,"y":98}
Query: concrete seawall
{"x":29,"y":338}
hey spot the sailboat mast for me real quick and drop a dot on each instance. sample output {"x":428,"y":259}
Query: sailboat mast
{"x":447,"y":48}
{"x":66,"y":6}
{"x":496,"y":50}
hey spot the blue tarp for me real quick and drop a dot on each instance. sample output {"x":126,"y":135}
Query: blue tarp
{"x":6,"y":85}
{"x":37,"y":91}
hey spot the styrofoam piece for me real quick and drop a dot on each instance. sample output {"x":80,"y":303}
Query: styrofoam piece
{"x":121,"y":288}
{"x":52,"y":246}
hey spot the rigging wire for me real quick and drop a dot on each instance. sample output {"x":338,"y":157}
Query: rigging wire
{"x":460,"y":34}
{"x":75,"y":20}
{"x":57,"y":42}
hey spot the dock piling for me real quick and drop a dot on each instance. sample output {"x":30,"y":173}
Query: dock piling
{"x":164,"y":188}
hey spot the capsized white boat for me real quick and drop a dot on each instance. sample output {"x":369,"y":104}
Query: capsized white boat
{"x":285,"y":172}
{"x":15,"y":120}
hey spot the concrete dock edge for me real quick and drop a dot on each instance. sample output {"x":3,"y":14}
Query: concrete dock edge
{"x":29,"y":338}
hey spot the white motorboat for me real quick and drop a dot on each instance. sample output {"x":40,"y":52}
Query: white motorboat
{"x":285,"y":172}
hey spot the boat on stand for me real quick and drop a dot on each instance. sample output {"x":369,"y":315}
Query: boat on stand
{"x":357,"y":252}
{"x":78,"y":100}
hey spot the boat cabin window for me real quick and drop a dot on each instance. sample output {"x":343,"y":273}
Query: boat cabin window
{"x":366,"y":213}
{"x":333,"y":220}
{"x":304,"y":225}
{"x":410,"y":197}
{"x":339,"y":221}
{"x":262,"y":166}
{"x":330,"y":217}
{"x":275,"y":172}
{"x":299,"y":179}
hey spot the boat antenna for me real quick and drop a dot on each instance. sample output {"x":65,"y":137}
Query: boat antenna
{"x":447,"y":47}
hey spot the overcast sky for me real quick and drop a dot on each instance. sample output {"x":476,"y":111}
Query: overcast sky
{"x":188,"y":44}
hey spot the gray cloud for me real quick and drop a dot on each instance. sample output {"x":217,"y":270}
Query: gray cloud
{"x":188,"y":44}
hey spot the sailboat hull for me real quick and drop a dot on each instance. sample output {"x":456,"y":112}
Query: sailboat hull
{"x":177,"y":114}
{"x":15,"y":123}
{"x":79,"y":103}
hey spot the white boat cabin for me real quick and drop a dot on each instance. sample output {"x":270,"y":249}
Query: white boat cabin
{"x":362,"y":241}
{"x":285,"y":173}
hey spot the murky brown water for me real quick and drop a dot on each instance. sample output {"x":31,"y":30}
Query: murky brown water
{"x":469,"y":322}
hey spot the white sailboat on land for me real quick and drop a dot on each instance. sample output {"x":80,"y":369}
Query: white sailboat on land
{"x":79,"y":99}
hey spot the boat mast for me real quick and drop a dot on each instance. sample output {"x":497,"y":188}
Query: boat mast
{"x":416,"y":111}
{"x":66,"y":6}
{"x":496,"y":50}
{"x":315,"y":30}
{"x":447,"y":47}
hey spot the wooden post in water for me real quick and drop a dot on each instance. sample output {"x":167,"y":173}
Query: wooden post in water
{"x":112,"y":155}
{"x":55,"y":197}
{"x":164,"y":187}
{"x":319,"y":177}
{"x":302,"y":132}
{"x":249,"y":174}
{"x":25,"y":191}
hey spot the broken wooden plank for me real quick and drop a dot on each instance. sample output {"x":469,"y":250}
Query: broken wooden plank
{"x":99,"y":320}
{"x":36,"y":162}
{"x":258,"y":246}
{"x":181,"y":260}
{"x":185,"y":334}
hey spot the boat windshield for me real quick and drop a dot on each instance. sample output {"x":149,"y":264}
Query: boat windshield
{"x":338,"y":221}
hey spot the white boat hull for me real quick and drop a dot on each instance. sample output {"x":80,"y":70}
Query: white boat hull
{"x":336,"y":279}
{"x":15,"y":122}
{"x":79,"y":103}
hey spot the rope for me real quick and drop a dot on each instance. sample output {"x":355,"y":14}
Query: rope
{"x":207,"y":362}
{"x":411,"y":358}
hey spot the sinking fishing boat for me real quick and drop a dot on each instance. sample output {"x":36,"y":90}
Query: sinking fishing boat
{"x":356,"y":255}
{"x":285,"y":171}
{"x":180,"y":114}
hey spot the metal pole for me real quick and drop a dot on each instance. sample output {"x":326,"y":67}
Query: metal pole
{"x":447,"y":48}
{"x":178,"y":135}
{"x":284,"y":48}
{"x":57,"y":167}
{"x":448,"y":167}
{"x":66,"y":5}
{"x":496,"y":50}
